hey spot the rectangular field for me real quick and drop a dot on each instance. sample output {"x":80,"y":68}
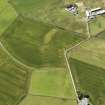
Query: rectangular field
{"x":91,"y":52}
{"x":13,"y":79}
{"x":52,"y":82}
{"x":89,"y":80}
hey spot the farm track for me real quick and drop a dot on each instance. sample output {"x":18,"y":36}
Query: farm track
{"x":66,"y":59}
{"x":32,"y":68}
{"x":66,"y":51}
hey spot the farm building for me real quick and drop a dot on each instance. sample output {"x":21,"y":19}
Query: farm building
{"x":92,"y":13}
{"x":72,"y":8}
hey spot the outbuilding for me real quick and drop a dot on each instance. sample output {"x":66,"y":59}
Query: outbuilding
{"x":92,"y":13}
{"x":72,"y":8}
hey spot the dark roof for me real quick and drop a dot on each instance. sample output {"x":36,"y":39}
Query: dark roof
{"x":72,"y":5}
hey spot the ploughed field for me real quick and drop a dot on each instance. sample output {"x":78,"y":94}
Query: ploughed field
{"x":13,"y":80}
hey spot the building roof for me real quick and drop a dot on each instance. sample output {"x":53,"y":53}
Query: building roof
{"x":92,"y":13}
{"x":96,"y":9}
{"x":84,"y":101}
{"x":72,"y":8}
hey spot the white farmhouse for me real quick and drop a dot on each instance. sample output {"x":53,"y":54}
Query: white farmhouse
{"x":72,"y":8}
{"x":92,"y":13}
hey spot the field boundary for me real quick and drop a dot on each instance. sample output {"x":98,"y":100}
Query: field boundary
{"x":59,"y":97}
{"x":14,"y":59}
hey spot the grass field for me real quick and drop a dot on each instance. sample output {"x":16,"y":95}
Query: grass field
{"x":28,"y":36}
{"x":37,"y":44}
{"x":7,"y":15}
{"x":94,"y":3}
{"x":87,"y":63}
{"x":35,"y":33}
{"x":40,"y":100}
{"x":13,"y":79}
{"x":88,"y":3}
{"x":52,"y":12}
{"x":91,"y":52}
{"x":51,"y":82}
{"x":91,"y":80}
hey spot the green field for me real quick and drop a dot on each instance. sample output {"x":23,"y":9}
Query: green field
{"x":87,"y":63}
{"x":91,"y":80}
{"x":38,"y":44}
{"x":28,"y":36}
{"x":51,"y":12}
{"x":50,"y":86}
{"x":13,"y":79}
{"x":51,"y":82}
{"x":91,"y":52}
{"x":88,"y":3}
{"x":94,"y":3}
{"x":7,"y":15}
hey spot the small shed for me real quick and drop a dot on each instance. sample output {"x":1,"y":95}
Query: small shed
{"x":72,"y":8}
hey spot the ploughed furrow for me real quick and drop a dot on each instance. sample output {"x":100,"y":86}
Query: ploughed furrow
{"x":13,"y":80}
{"x":10,"y":88}
{"x":4,"y":97}
{"x":12,"y":72}
{"x":10,"y":78}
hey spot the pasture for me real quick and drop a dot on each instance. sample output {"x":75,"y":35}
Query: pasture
{"x":91,"y":52}
{"x":26,"y":40}
{"x":13,"y":79}
{"x":51,"y":12}
{"x":36,"y":44}
{"x":51,"y":82}
{"x":93,"y":3}
{"x":7,"y":15}
{"x":35,"y":33}
{"x":87,"y":63}
{"x":89,"y":80}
